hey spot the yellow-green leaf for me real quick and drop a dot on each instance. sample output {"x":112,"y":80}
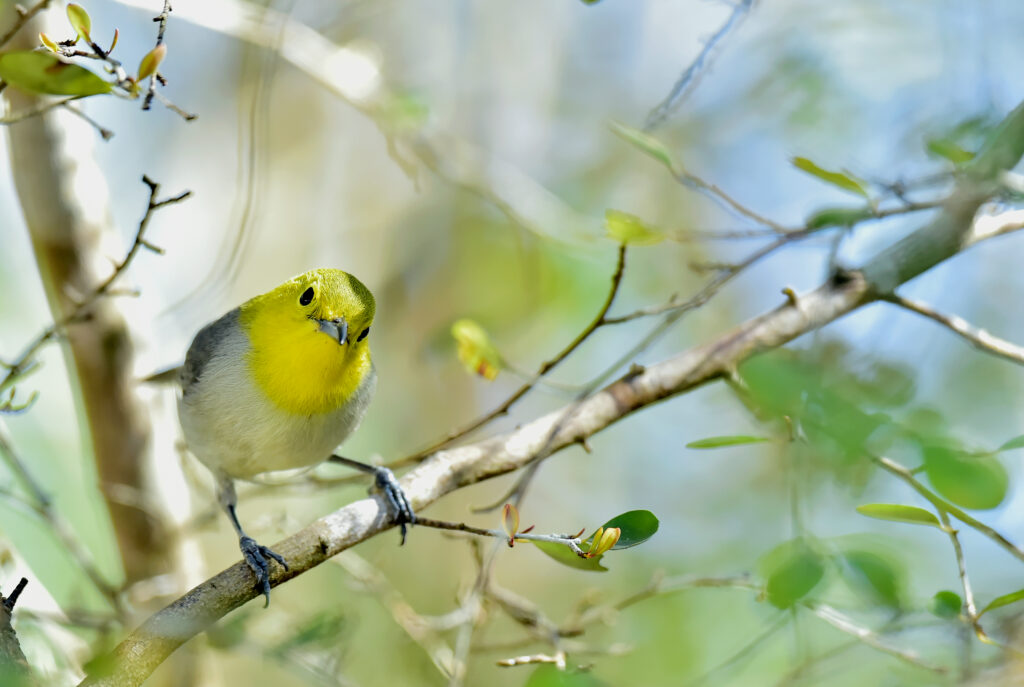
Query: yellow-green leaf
{"x":627,"y":228}
{"x":475,"y":349}
{"x":41,"y":72}
{"x":899,"y":513}
{"x":1004,"y":600}
{"x":838,"y":217}
{"x":968,"y":480}
{"x":48,"y":42}
{"x":945,"y":148}
{"x":644,"y":142}
{"x":791,"y":570}
{"x":843,"y":180}
{"x":151,"y":62}
{"x":80,"y":21}
{"x":730,"y":440}
{"x":946,"y":604}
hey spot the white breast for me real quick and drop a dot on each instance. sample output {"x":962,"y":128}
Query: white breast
{"x":234,"y":429}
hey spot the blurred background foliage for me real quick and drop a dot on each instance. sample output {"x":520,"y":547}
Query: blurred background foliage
{"x":288,"y":177}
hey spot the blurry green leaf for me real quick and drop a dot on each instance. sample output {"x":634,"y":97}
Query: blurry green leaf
{"x":564,"y":555}
{"x":945,"y":148}
{"x":946,"y":604}
{"x":1004,"y":600}
{"x":230,"y":632}
{"x":791,"y":570}
{"x":321,"y":630}
{"x":969,"y":480}
{"x":729,"y":440}
{"x":838,"y":217}
{"x":842,"y":180}
{"x":551,"y":676}
{"x":874,"y":576}
{"x":404,"y":112}
{"x":645,"y":142}
{"x":637,"y":527}
{"x":151,"y":61}
{"x":475,"y":349}
{"x":630,"y":229}
{"x":899,"y":513}
{"x":80,"y":21}
{"x":40,"y":72}
{"x":1016,"y":442}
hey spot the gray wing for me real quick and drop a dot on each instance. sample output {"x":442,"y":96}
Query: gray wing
{"x":205,"y":346}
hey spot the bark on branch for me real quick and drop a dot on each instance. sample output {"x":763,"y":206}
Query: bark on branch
{"x":144,"y":649}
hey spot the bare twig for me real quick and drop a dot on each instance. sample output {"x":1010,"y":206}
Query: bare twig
{"x":104,"y":132}
{"x":81,"y":311}
{"x":533,"y":659}
{"x":597,"y":322}
{"x":570,"y":541}
{"x":867,"y":636}
{"x":36,"y":111}
{"x":23,"y":18}
{"x":979,"y":338}
{"x":692,"y":73}
{"x":161,"y":19}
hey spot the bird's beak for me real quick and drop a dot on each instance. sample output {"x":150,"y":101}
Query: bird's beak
{"x":337,"y":329}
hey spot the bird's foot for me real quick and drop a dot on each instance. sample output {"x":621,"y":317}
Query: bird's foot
{"x":258,"y":558}
{"x":387,"y":484}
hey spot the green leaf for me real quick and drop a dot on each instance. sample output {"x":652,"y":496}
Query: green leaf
{"x":1004,"y":600}
{"x":838,"y":217}
{"x":791,"y":570}
{"x":969,"y":480}
{"x":945,"y":148}
{"x":645,"y":142}
{"x":946,"y":604}
{"x":728,"y":440}
{"x":151,"y":62}
{"x":843,"y":180}
{"x":630,"y":229}
{"x":40,"y":72}
{"x":1016,"y":442}
{"x":551,"y":676}
{"x":637,"y":527}
{"x":899,"y":513}
{"x":80,"y":21}
{"x":565,"y":556}
{"x":874,"y":576}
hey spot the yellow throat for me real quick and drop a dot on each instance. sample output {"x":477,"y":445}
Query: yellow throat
{"x":300,"y":368}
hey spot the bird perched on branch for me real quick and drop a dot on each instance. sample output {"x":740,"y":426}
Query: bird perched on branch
{"x":277,"y":384}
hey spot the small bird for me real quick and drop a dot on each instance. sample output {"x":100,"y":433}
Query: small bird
{"x":276,"y":384}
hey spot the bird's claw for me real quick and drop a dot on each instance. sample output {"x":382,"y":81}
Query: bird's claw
{"x":388,"y":485}
{"x":257,"y":557}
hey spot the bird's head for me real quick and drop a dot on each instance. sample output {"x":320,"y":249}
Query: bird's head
{"x":310,"y":338}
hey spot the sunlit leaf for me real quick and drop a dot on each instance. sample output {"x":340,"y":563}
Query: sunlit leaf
{"x":645,"y":142}
{"x":843,"y":180}
{"x":48,"y":42}
{"x":791,"y":570}
{"x":899,"y":513}
{"x":630,"y":229}
{"x":876,"y":577}
{"x":1009,"y":445}
{"x":728,"y":440}
{"x":151,"y":62}
{"x":42,"y":72}
{"x":1004,"y":600}
{"x":637,"y":526}
{"x":968,"y":480}
{"x":80,"y":21}
{"x":475,"y":349}
{"x":838,"y":217}
{"x":946,"y":604}
{"x":564,"y":555}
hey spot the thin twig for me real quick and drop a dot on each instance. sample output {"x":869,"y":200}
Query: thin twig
{"x":869,"y":637}
{"x":36,"y":111}
{"x":942,"y":505}
{"x":598,"y":321}
{"x":104,"y":132}
{"x":23,"y":18}
{"x":161,"y":19}
{"x":572,"y":542}
{"x":979,"y":338}
{"x":80,"y":311}
{"x":690,"y":75}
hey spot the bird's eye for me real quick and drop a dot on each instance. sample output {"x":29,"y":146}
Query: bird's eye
{"x":362,"y":334}
{"x":307,"y":296}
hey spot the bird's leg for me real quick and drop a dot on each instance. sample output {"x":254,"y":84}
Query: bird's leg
{"x":256,"y":556}
{"x":385,"y":482}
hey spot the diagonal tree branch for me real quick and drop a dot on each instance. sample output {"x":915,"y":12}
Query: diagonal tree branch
{"x":148,"y":646}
